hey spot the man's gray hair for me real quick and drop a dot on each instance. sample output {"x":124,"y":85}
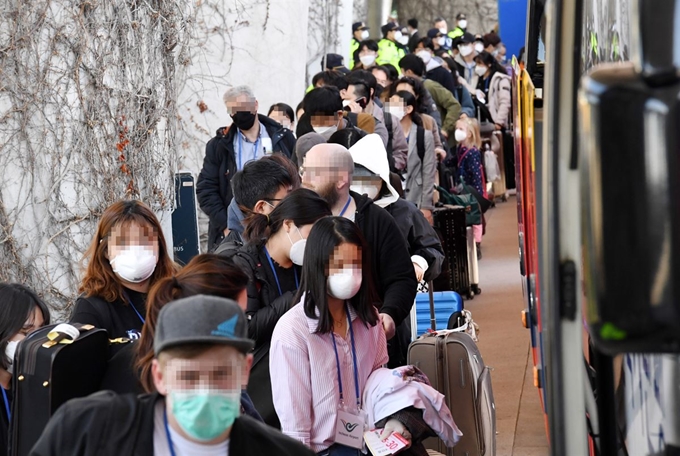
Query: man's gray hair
{"x":236,"y":92}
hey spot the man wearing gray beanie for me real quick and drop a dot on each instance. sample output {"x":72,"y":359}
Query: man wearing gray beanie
{"x":202,"y":363}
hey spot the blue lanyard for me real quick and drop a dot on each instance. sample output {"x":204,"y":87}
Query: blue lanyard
{"x":134,"y":308}
{"x":276,"y":277}
{"x":354,"y":359}
{"x":167,"y":432}
{"x":240,"y":148}
{"x":346,"y":206}
{"x":486,"y":84}
{"x":4,"y":398}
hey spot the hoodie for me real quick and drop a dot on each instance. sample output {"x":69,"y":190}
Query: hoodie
{"x":423,"y":243}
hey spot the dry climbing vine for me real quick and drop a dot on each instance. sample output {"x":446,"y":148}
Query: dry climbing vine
{"x":88,"y":115}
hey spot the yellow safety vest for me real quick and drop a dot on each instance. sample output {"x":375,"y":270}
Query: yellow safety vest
{"x":353,"y":46}
{"x":455,"y":33}
{"x":388,"y":52}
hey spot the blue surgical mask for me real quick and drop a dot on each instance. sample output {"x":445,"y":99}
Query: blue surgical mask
{"x":205,"y":414}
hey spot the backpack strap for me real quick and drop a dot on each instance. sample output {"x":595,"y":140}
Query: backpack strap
{"x":420,"y":142}
{"x":388,"y":149}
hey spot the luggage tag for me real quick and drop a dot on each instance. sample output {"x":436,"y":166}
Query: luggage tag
{"x":350,"y":427}
{"x":392,"y":444}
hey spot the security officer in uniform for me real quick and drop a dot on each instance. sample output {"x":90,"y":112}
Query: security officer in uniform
{"x":389,"y":49}
{"x":359,"y":34}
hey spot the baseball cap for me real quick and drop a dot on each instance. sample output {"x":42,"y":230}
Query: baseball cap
{"x":362,"y":171}
{"x":432,"y":33}
{"x":202,"y":319}
{"x":389,"y":27}
{"x":466,"y":38}
{"x":359,"y":26}
{"x":333,"y":61}
{"x":460,"y":16}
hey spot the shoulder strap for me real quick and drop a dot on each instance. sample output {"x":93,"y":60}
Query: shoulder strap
{"x":420,"y":142}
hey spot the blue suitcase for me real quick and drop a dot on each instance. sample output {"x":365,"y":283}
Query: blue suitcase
{"x":445,"y":303}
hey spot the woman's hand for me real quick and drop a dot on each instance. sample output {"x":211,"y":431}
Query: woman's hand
{"x":393,"y":426}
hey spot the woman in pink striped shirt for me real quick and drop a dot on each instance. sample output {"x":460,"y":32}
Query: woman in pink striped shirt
{"x":324,"y":349}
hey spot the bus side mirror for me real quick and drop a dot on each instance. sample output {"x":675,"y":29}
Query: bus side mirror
{"x":630,"y":192}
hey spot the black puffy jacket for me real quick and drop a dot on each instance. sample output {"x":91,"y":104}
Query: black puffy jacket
{"x":265,"y":308}
{"x":213,"y":188}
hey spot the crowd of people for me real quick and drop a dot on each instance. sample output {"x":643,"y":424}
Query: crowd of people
{"x":320,"y":229}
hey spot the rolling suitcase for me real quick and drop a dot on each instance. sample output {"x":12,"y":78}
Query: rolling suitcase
{"x":449,"y":222}
{"x":473,"y":263}
{"x":454,"y":366}
{"x":446,"y":304}
{"x":52,"y":365}
{"x":499,"y":187}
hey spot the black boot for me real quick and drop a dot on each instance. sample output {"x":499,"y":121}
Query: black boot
{"x":479,"y":251}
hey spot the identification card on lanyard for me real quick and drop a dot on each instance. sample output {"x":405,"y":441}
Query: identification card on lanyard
{"x":351,"y":423}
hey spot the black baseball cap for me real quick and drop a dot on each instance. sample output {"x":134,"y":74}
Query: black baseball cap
{"x":202,"y":319}
{"x":389,"y":27}
{"x":359,"y":26}
{"x":460,"y":16}
{"x":466,"y":38}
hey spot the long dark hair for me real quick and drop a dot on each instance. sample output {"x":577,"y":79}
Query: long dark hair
{"x":410,"y":100}
{"x":16,"y":304}
{"x":418,"y":88}
{"x":327,"y":234}
{"x":208,"y":274}
{"x":490,"y":61}
{"x":302,"y":206}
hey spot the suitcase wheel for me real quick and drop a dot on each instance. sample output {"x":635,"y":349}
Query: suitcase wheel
{"x":476,"y":290}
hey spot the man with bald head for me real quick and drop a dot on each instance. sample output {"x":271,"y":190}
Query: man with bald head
{"x":328,"y":170}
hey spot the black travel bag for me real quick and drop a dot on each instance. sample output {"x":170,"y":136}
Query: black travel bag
{"x":51,"y":367}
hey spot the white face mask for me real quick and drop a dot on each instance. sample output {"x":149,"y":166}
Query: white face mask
{"x":403,"y":40}
{"x":344,"y":285}
{"x":10,"y":350}
{"x":297,"y":249}
{"x":346,"y":103}
{"x":397,"y":35}
{"x":479,"y":47}
{"x":442,"y":31}
{"x":441,"y":41}
{"x":323,"y":130}
{"x":367,"y":60}
{"x":135,"y":263}
{"x":465,"y":50}
{"x":480,"y":70}
{"x":396,"y":111}
{"x":369,"y":190}
{"x":425,"y":56}
{"x":364,"y":34}
{"x":462,"y":24}
{"x":460,"y":135}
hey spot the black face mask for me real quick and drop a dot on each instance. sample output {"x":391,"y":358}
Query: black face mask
{"x":243,"y":120}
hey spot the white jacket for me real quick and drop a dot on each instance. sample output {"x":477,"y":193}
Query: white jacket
{"x":389,"y":390}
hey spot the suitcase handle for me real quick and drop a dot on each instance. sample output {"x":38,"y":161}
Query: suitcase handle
{"x":433,"y":319}
{"x":61,"y":334}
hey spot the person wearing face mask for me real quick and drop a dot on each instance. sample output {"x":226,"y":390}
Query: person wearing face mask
{"x":271,"y":259}
{"x":202,"y":360}
{"x":324,"y":114}
{"x":365,"y":56}
{"x":360,"y":32}
{"x":362,"y":85}
{"x":461,"y":26}
{"x":21,"y":311}
{"x":250,"y":137}
{"x":127,"y":255}
{"x":469,"y":164}
{"x":283,"y":114}
{"x":372,"y":178}
{"x":440,"y":41}
{"x":390,"y":50}
{"x":494,"y":84}
{"x":258,"y":187}
{"x":328,"y":169}
{"x":465,"y":61}
{"x":422,"y":161}
{"x":325,"y":348}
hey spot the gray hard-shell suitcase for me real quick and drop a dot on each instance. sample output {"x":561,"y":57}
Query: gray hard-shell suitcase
{"x":454,"y":366}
